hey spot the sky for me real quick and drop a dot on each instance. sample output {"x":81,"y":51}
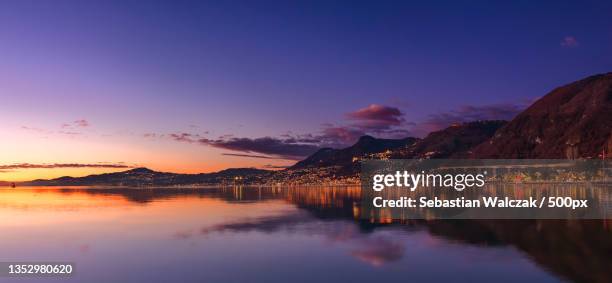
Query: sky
{"x":200,"y":86}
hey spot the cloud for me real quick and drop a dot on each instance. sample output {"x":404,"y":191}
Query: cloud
{"x":339,"y":136}
{"x":377,"y":120}
{"x":153,"y":135}
{"x":249,"y":155}
{"x":285,"y":148}
{"x":185,"y":137}
{"x":376,"y":117}
{"x":62,"y":165}
{"x":342,"y":136}
{"x":382,"y":121}
{"x":69,"y":133}
{"x":71,"y":129}
{"x":467,"y":113}
{"x":569,"y":42}
{"x":33,"y":129}
{"x":177,"y":136}
{"x":181,"y":136}
{"x":81,"y":123}
{"x":270,"y":166}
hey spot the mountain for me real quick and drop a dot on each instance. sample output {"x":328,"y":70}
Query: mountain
{"x":572,"y":121}
{"x":330,"y":164}
{"x":148,"y":177}
{"x":455,"y":141}
{"x":344,"y":157}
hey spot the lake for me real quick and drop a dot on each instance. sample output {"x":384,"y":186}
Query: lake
{"x":282,"y":235}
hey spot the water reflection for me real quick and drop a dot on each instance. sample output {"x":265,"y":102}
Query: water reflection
{"x":306,"y":228}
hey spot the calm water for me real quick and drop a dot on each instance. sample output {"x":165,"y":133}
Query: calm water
{"x":282,"y":235}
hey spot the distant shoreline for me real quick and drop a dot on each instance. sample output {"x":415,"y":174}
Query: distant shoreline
{"x":607,"y":184}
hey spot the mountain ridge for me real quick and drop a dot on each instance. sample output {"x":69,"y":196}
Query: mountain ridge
{"x":344,"y":157}
{"x":143,"y":176}
{"x":455,"y":141}
{"x":571,"y":121}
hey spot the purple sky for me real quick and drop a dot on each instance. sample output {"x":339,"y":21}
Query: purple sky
{"x":278,"y":78}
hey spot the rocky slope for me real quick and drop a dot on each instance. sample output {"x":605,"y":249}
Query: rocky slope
{"x":455,"y":141}
{"x":572,"y":121}
{"x":344,"y":157}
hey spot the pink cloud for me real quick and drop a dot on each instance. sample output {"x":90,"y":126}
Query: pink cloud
{"x":569,"y":42}
{"x":376,"y":116}
{"x":81,"y":123}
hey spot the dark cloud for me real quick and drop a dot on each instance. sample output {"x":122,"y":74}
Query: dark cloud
{"x":62,"y":165}
{"x":463,"y":114}
{"x":185,"y":137}
{"x":339,"y":136}
{"x":377,"y":120}
{"x":270,"y":166}
{"x":296,"y":147}
{"x":284,"y":148}
{"x":381,"y":121}
{"x":177,"y":136}
{"x":376,"y":117}
{"x":249,"y":155}
{"x":343,"y":136}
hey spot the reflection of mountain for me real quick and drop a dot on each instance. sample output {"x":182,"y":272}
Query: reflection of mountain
{"x":572,"y":121}
{"x":577,"y":250}
{"x":229,"y":194}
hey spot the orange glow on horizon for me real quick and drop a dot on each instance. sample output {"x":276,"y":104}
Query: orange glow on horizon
{"x":133,"y":151}
{"x":21,"y":175}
